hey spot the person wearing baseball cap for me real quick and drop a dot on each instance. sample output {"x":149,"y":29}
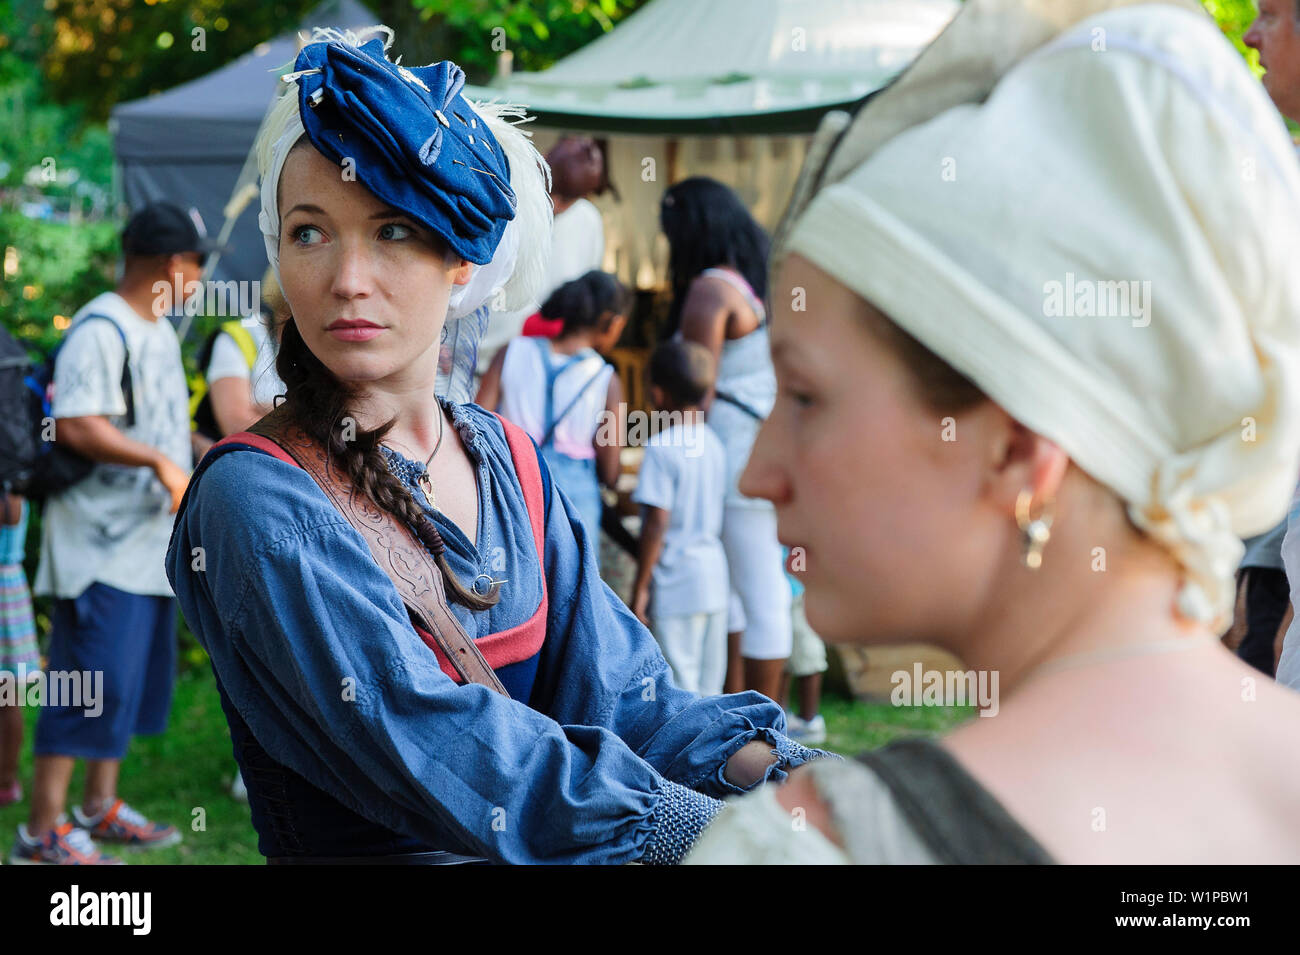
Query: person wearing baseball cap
{"x":161,"y":228}
{"x":120,"y":399}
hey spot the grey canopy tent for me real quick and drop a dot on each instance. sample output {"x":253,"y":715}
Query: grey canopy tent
{"x":192,"y":144}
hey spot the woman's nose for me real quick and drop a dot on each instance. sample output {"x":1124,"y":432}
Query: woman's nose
{"x":354,"y":274}
{"x":764,"y":476}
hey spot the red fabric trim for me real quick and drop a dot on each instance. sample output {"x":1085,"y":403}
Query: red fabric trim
{"x":259,"y":442}
{"x":522,"y":641}
{"x":508,"y":646}
{"x":529,"y":473}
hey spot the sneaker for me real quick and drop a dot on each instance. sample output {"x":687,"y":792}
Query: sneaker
{"x":809,"y":732}
{"x":121,"y":824}
{"x":11,"y":795}
{"x":65,"y":844}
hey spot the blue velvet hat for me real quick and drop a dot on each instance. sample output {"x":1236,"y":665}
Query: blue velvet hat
{"x":414,"y":141}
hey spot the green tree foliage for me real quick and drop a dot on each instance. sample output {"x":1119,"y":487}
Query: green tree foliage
{"x":1234,"y":18}
{"x":535,"y":32}
{"x":49,"y":268}
{"x":103,"y":52}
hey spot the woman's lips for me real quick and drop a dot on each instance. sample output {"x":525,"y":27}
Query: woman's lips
{"x":355,"y":333}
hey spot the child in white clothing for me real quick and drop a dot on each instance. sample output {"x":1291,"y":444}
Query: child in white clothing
{"x":681,"y":588}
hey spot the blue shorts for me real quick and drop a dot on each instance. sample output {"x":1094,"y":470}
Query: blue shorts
{"x":128,"y":643}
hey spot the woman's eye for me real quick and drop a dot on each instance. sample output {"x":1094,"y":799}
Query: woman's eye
{"x":302,"y":230}
{"x":386,"y":231}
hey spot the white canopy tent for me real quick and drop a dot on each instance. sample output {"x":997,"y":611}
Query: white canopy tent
{"x":726,"y":88}
{"x":737,"y":66}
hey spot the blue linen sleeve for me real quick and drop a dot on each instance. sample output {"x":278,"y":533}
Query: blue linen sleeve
{"x":601,"y":667}
{"x":314,"y":648}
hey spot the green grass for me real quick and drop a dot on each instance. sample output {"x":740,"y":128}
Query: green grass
{"x":189,"y":768}
{"x":169,"y":778}
{"x":853,"y":726}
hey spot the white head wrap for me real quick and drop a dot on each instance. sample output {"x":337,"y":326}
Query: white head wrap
{"x":993,"y":199}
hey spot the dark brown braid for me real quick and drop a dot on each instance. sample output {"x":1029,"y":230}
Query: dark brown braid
{"x":318,"y":403}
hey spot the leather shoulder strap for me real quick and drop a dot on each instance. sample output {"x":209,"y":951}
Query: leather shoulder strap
{"x":394,"y":547}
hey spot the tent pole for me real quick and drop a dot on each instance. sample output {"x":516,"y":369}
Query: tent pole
{"x":244,"y":192}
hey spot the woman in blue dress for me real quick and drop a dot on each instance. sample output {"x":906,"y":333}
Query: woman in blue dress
{"x":386,"y":198}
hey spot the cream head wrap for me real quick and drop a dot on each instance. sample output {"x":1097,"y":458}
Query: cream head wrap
{"x":1092,"y":210}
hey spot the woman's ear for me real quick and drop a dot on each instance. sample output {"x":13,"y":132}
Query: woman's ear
{"x":462,"y":273}
{"x":611,"y":326}
{"x":1020,"y":459}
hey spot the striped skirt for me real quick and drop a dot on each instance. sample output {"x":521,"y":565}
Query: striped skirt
{"x":17,"y":624}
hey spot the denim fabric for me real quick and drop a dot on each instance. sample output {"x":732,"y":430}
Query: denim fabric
{"x":315,"y":653}
{"x":294,"y":818}
{"x":577,"y":479}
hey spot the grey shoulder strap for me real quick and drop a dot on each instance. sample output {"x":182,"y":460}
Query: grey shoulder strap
{"x":958,"y":819}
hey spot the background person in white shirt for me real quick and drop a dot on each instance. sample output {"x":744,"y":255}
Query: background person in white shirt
{"x":682,"y":586}
{"x":104,"y":538}
{"x":240,"y":392}
{"x":577,"y":239}
{"x":562,"y":391}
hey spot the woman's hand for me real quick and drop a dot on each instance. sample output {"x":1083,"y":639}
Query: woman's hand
{"x":173,"y":478}
{"x":13,"y":510}
{"x":749,"y":763}
{"x":799,"y":796}
{"x":641,"y":605}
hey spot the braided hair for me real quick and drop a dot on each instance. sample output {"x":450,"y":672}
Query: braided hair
{"x":318,"y":403}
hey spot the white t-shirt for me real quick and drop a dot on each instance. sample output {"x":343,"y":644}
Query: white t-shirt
{"x":684,"y":471}
{"x":228,"y":362}
{"x":114,"y":526}
{"x":577,"y":245}
{"x":582,"y":388}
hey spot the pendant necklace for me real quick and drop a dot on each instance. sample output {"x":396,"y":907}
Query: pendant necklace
{"x":426,"y":485}
{"x":1076,"y":660}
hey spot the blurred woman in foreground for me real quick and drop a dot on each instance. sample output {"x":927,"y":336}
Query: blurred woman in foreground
{"x":1051,"y":487}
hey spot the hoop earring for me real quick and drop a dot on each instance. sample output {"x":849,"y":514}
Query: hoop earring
{"x":1037,"y":530}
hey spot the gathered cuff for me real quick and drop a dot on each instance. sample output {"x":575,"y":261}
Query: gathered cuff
{"x":677,"y":821}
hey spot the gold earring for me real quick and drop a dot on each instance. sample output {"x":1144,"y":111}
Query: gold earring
{"x":1037,"y":530}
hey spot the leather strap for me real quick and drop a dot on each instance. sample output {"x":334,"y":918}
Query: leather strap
{"x":395,"y":548}
{"x":959,"y":820}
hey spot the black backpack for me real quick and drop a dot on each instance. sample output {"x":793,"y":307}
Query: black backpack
{"x":30,"y":464}
{"x":17,"y":440}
